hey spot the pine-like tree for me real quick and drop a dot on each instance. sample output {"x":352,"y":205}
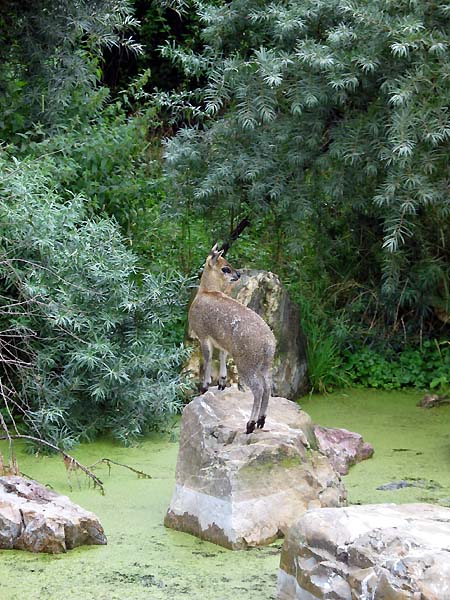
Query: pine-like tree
{"x":331,"y":115}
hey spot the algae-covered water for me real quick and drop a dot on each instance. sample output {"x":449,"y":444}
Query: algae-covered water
{"x":144,"y":560}
{"x":411,"y":444}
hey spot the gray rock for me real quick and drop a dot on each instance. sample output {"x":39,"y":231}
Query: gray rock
{"x":263,"y":293}
{"x":37,"y":519}
{"x":395,"y":485}
{"x":344,"y":448}
{"x":381,"y":552}
{"x":426,"y":484}
{"x":241,"y":490}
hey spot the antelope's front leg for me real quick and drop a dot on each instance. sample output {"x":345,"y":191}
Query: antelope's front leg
{"x":207,"y":351}
{"x":223,"y":370}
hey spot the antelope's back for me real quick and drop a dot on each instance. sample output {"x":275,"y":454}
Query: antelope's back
{"x":230,"y":325}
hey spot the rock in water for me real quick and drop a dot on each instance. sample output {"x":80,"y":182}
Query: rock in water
{"x":262,"y":292}
{"x":382,"y":551}
{"x":344,"y":448}
{"x":240,"y":490}
{"x":432,"y":400}
{"x":34,"y":518}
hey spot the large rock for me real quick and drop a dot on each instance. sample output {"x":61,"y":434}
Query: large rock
{"x":344,"y":448}
{"x":380,"y":552}
{"x":34,"y":518}
{"x":263,"y":293}
{"x":240,"y":490}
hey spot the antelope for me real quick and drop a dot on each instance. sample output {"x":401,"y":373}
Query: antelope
{"x":224,"y":323}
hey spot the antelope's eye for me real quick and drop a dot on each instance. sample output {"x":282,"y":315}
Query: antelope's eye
{"x":226,"y":270}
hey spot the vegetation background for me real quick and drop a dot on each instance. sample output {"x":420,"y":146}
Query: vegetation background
{"x":136,"y":134}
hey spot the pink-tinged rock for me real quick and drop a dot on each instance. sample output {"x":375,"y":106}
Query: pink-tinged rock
{"x":344,"y":448}
{"x":37,"y":519}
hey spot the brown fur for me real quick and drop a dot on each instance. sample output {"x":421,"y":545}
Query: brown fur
{"x":221,"y":322}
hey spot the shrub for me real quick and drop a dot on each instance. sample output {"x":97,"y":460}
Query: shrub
{"x":110,"y":162}
{"x":85,"y":333}
{"x":423,"y":368}
{"x":323,"y":350}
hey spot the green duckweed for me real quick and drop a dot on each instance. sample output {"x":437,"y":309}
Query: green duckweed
{"x":145,"y":561}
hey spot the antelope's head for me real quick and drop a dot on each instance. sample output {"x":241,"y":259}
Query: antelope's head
{"x":218,"y":274}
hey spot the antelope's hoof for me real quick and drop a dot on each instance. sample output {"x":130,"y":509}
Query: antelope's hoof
{"x":250,"y":427}
{"x":261,"y":422}
{"x":203,"y":389}
{"x":222,"y":384}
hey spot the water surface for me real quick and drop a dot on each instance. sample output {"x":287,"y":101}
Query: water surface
{"x":144,"y":560}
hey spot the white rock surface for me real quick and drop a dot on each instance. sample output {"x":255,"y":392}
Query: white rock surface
{"x":34,"y":518}
{"x":370,"y":552}
{"x":240,"y":490}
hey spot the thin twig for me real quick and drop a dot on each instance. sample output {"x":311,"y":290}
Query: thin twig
{"x":12,"y":455}
{"x":69,"y":461}
{"x":110,"y":462}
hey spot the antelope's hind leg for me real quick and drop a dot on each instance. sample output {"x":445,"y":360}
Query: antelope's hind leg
{"x":256,"y":385}
{"x":223,"y":370}
{"x":264,"y":403}
{"x":207,"y":351}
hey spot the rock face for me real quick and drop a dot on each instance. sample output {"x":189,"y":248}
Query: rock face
{"x":344,"y":448}
{"x":262,"y":292}
{"x":241,"y":490}
{"x":380,"y":552}
{"x":34,"y":518}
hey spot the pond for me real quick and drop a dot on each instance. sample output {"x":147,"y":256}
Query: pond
{"x":144,"y":560}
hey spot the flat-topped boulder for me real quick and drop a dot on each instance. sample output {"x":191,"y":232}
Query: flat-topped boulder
{"x":37,"y":519}
{"x":240,"y":490}
{"x":380,"y":551}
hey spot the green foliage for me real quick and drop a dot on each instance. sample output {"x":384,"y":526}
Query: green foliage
{"x":325,"y":122}
{"x":159,"y":25}
{"x":112,"y":164}
{"x":52,"y":52}
{"x":424,"y":368}
{"x":323,"y":350}
{"x":330,"y":121}
{"x":84,"y":330}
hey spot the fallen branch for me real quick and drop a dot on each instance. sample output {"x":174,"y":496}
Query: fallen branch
{"x":69,"y":461}
{"x":109,"y":462}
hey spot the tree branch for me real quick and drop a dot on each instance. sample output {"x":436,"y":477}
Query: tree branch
{"x":110,"y":462}
{"x":69,"y":461}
